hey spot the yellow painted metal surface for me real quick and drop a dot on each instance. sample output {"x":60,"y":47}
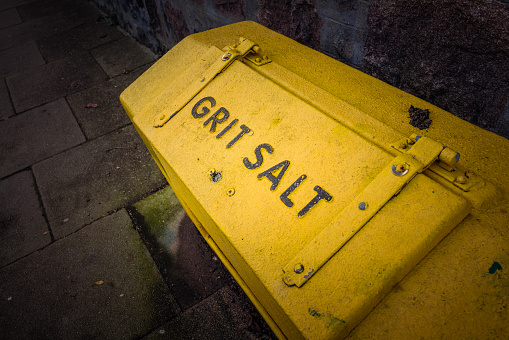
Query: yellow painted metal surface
{"x":305,"y":177}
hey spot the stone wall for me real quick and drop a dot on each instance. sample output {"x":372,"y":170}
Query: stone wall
{"x":452,"y":53}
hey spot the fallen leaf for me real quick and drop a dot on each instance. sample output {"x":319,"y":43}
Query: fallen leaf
{"x":99,"y":282}
{"x":91,"y":105}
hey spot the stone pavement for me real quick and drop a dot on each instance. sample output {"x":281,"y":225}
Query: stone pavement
{"x":93,"y":243}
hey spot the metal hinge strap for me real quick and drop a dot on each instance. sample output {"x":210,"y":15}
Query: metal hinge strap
{"x":359,"y":211}
{"x":224,"y":59}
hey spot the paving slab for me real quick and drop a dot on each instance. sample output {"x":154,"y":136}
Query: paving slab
{"x":54,"y":80}
{"x":89,"y":181}
{"x":6,"y":109}
{"x":5,"y":4}
{"x":122,"y":55}
{"x":187,"y":263}
{"x":46,"y":26}
{"x":41,"y":8}
{"x":99,"y":282}
{"x":77,"y":40}
{"x":23,"y":228}
{"x":109,"y":114}
{"x":20,"y":58}
{"x":37,"y":134}
{"x":9,"y":17}
{"x":223,"y":315}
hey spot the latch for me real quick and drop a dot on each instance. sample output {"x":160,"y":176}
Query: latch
{"x":244,"y":48}
{"x":358,"y":212}
{"x":446,"y":167}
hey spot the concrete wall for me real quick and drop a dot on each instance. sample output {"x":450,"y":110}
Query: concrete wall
{"x":452,"y":53}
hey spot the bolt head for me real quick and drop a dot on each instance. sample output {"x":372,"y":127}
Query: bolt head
{"x":299,"y":268}
{"x":400,"y":169}
{"x":461,"y":179}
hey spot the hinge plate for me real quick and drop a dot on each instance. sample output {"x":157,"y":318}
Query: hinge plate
{"x":389,"y":182}
{"x":224,"y":58}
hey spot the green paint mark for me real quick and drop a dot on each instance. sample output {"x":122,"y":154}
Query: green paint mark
{"x":314,"y":312}
{"x":333,"y":321}
{"x":496,"y":266}
{"x":275,"y":122}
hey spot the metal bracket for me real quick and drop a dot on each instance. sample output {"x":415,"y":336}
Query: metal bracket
{"x":225,"y":59}
{"x":389,"y":182}
{"x":447,"y":166}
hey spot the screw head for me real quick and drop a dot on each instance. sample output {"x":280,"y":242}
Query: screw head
{"x":400,"y":169}
{"x":363,"y":206}
{"x":299,"y":268}
{"x":230,"y":192}
{"x":461,"y":179}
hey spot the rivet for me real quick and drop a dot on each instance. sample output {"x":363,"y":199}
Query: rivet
{"x":461,"y":179}
{"x":363,"y":206}
{"x":258,"y":60}
{"x":299,"y":268}
{"x":230,"y":192}
{"x":202,"y":79}
{"x":226,"y":56}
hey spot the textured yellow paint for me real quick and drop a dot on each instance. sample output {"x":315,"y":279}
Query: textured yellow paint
{"x":307,"y":114}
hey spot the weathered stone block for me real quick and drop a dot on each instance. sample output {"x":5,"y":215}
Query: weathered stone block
{"x":23,"y":228}
{"x":54,"y":80}
{"x":5,"y":102}
{"x":122,"y":56}
{"x":77,"y":40}
{"x":98,"y":109}
{"x":87,"y":182}
{"x":9,"y":17}
{"x":187,"y":263}
{"x":20,"y":58}
{"x":99,"y":282}
{"x":296,"y":19}
{"x":344,"y":43}
{"x":36,"y":135}
{"x":452,"y":53}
